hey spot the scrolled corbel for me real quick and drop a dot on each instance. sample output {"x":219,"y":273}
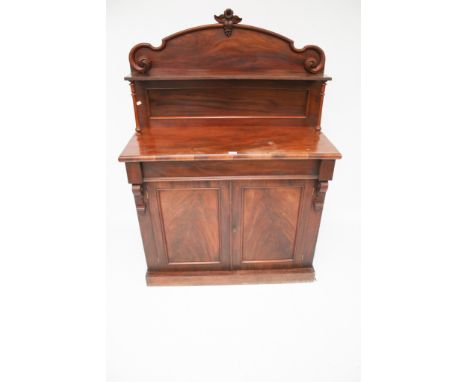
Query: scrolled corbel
{"x":138,"y":194}
{"x":321,"y":188}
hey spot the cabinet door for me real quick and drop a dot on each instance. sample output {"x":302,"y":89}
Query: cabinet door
{"x":269,"y":223}
{"x":190,"y":224}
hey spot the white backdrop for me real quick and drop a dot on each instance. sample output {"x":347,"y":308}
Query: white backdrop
{"x":294,"y":332}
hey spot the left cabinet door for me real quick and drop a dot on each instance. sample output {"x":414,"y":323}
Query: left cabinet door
{"x":190,"y":222}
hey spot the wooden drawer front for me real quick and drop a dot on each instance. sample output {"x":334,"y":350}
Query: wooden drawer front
{"x":230,"y":168}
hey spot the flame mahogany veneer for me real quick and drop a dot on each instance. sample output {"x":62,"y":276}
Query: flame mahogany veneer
{"x":228,"y":165}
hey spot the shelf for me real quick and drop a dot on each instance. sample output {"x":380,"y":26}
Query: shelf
{"x":205,"y":75}
{"x":228,"y":143}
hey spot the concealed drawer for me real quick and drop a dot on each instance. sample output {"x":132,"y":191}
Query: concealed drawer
{"x":230,"y":168}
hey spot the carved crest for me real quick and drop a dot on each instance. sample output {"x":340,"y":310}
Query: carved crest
{"x":228,"y":19}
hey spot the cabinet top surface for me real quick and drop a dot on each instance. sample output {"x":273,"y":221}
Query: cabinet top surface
{"x":228,"y":143}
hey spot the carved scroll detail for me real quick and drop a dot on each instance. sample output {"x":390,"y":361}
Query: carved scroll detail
{"x":141,"y":64}
{"x":228,"y":19}
{"x":137,"y":190}
{"x":314,"y":64}
{"x":321,"y":188}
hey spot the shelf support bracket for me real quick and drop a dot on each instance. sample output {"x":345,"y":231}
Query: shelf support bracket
{"x":322,"y":95}
{"x":135,"y":107}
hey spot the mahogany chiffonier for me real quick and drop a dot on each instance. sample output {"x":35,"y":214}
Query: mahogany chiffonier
{"x":228,"y":165}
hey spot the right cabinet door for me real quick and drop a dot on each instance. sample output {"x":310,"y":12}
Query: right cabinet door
{"x":273,"y":223}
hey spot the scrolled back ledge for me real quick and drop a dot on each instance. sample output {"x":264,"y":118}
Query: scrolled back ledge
{"x":226,"y":48}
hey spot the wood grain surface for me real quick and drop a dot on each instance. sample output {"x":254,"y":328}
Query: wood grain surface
{"x":190,"y":222}
{"x":269,"y":224}
{"x":243,"y":102}
{"x":228,"y":143}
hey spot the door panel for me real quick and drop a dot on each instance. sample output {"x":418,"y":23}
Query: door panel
{"x":191,"y":224}
{"x":269,"y":219}
{"x":269,"y":222}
